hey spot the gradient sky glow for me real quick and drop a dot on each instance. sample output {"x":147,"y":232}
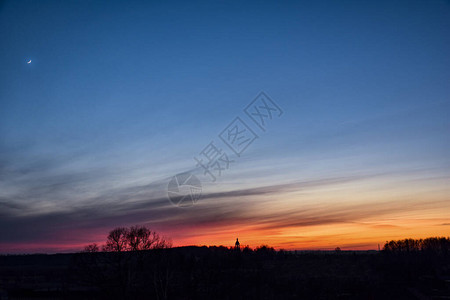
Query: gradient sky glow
{"x":120,"y":96}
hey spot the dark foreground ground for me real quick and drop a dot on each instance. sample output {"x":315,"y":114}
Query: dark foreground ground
{"x":220,"y":273}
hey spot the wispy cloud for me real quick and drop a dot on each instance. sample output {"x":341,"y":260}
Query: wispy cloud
{"x":253,"y":207}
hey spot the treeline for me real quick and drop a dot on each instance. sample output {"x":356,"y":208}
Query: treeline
{"x":435,"y":245}
{"x":406,"y":268}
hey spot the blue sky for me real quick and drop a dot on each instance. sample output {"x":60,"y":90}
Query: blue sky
{"x":124,"y":95}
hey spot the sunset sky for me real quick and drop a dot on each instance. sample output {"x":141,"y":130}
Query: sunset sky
{"x":121,"y":96}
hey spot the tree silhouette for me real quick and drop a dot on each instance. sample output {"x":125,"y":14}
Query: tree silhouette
{"x":116,"y":240}
{"x":91,"y":248}
{"x":135,"y":238}
{"x":436,"y":245}
{"x":141,"y":238}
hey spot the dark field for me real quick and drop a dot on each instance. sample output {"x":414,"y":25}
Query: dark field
{"x":221,"y":273}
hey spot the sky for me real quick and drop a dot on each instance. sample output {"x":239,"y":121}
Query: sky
{"x":120,"y":97}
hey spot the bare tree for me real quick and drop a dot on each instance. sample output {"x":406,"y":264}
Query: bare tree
{"x":116,"y":240}
{"x":141,"y":238}
{"x":135,"y":238}
{"x":91,"y":248}
{"x":163,"y":243}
